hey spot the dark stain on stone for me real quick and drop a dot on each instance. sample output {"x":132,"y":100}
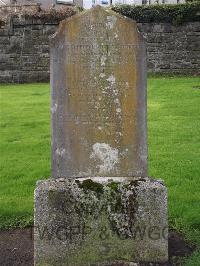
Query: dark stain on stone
{"x":88,"y":184}
{"x":61,"y":201}
{"x":135,"y":183}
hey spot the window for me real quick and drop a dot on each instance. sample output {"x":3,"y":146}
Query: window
{"x":104,"y":2}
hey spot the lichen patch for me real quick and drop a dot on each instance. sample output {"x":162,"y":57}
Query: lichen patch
{"x":54,"y":108}
{"x":60,"y":151}
{"x":111,"y":79}
{"x":111,"y":20}
{"x":106,"y":156}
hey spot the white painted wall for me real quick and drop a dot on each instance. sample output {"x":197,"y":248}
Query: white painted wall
{"x":89,"y":3}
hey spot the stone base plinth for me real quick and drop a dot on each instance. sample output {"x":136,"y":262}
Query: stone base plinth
{"x":100,"y":221}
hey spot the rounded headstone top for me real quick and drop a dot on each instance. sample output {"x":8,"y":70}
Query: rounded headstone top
{"x":98,"y":83}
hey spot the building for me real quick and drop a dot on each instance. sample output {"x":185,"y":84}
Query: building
{"x":44,"y":3}
{"x":88,"y":3}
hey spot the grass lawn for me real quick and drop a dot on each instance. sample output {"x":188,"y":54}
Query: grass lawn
{"x":174,"y":149}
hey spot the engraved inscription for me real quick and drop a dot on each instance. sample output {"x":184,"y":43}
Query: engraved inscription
{"x":98,"y":106}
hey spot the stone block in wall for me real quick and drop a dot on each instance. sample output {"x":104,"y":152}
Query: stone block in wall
{"x":34,"y":76}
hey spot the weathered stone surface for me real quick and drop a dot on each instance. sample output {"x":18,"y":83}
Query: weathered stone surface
{"x":100,"y":221}
{"x":103,"y":211}
{"x":98,"y":84}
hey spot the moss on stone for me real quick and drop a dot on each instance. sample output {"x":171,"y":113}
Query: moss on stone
{"x":88,"y":184}
{"x":113,"y":185}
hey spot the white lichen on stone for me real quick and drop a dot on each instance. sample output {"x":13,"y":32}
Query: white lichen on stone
{"x":118,"y":133}
{"x":106,"y":156}
{"x":118,"y":110}
{"x":54,"y":108}
{"x":102,"y":75}
{"x":111,"y":79}
{"x":103,"y":60}
{"x":117,"y":101}
{"x":111,"y":20}
{"x":60,"y":151}
{"x":116,"y":92}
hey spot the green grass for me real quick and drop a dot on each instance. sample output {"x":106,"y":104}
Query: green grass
{"x":174,"y":149}
{"x":25,"y":149}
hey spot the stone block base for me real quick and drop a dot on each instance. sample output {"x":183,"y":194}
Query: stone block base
{"x":100,"y":221}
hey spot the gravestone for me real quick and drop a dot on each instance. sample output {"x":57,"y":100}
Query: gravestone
{"x":99,"y":207}
{"x":98,"y":81}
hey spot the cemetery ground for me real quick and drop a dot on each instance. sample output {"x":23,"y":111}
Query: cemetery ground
{"x":173,"y":141}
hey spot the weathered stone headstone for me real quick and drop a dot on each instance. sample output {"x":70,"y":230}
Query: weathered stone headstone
{"x":99,"y":208}
{"x":98,"y":81}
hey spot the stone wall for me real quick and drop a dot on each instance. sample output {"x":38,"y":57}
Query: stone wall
{"x":172,"y":49}
{"x":24,"y":49}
